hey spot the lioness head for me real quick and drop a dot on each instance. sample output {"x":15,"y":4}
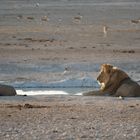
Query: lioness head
{"x":110,"y":76}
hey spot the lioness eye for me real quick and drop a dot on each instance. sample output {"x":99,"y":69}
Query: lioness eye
{"x":109,"y":71}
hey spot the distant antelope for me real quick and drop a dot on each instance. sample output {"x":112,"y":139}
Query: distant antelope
{"x":105,"y":28}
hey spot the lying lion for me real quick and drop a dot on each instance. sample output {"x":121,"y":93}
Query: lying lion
{"x":115,"y":82}
{"x":6,"y":90}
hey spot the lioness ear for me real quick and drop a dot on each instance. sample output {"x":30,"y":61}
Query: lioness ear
{"x":107,"y":68}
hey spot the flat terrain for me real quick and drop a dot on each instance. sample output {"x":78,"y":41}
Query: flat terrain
{"x":69,"y":118}
{"x":40,"y":40}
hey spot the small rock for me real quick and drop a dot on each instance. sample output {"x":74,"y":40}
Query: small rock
{"x":120,"y":97}
{"x":37,"y":4}
{"x":73,"y":118}
{"x":30,"y":18}
{"x":19,"y":17}
{"x":132,"y":106}
{"x":135,"y":21}
{"x":28,"y":106}
{"x":13,"y":36}
{"x":55,"y":131}
{"x":26,"y":46}
{"x":84,"y":136}
{"x":78,"y":17}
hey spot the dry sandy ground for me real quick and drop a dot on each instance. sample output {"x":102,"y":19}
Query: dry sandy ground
{"x":39,"y":40}
{"x":69,"y":118}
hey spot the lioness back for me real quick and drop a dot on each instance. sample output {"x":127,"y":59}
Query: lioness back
{"x":128,"y":88}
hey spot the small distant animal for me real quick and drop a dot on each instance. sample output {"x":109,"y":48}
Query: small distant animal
{"x":105,"y":29}
{"x":6,"y":90}
{"x":115,"y":82}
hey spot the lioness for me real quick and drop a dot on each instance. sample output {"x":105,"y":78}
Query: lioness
{"x":6,"y":90}
{"x":115,"y":82}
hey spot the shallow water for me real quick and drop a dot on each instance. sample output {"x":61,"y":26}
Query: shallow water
{"x":53,"y":91}
{"x":53,"y":77}
{"x":73,"y":83}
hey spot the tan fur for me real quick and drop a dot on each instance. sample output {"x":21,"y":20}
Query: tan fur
{"x":115,"y":82}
